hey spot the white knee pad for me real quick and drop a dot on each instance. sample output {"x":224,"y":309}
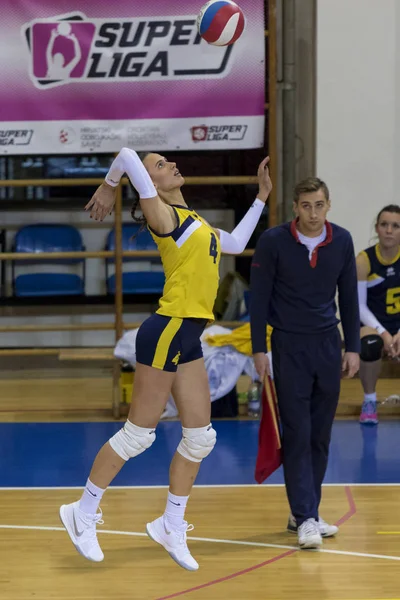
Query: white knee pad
{"x":197,"y":443}
{"x":131,"y":440}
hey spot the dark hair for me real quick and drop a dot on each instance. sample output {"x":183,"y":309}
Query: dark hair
{"x":311,"y":184}
{"x":136,"y":200}
{"x":391,"y":208}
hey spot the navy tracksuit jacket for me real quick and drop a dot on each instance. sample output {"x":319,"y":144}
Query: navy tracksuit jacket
{"x":296,"y":296}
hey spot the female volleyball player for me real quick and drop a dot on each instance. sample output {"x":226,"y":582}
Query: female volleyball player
{"x":378,"y":270}
{"x":168,"y":348}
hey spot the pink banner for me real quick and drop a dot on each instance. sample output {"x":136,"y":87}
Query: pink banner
{"x":126,"y":73}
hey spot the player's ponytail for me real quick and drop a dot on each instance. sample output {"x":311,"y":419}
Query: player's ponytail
{"x":135,"y":204}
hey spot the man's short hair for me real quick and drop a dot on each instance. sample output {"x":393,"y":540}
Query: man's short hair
{"x":309,"y":185}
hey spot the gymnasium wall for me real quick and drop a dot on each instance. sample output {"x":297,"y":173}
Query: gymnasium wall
{"x":358,"y":109}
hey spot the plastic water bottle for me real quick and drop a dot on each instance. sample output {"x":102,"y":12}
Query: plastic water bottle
{"x":242,"y":404}
{"x":254,"y":399}
{"x":126,"y":382}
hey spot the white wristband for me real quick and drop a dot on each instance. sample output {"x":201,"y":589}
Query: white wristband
{"x":128,"y":162}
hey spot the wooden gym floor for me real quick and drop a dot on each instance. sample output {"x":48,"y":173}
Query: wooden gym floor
{"x":239,"y":541}
{"x":52,"y":422}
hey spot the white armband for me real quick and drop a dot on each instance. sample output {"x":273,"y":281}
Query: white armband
{"x":366,"y":316}
{"x":236,"y":242}
{"x":128,"y":162}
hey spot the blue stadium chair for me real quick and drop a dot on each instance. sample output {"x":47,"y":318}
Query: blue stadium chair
{"x":48,"y":238}
{"x":144,"y":281}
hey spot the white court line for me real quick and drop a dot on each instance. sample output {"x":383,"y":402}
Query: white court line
{"x":219,"y":486}
{"x":215,"y":541}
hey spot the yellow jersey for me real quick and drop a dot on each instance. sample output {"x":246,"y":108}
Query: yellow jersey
{"x":383,"y":288}
{"x":190,"y":255}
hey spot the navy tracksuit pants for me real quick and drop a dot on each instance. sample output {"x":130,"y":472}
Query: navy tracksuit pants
{"x":307,"y":375}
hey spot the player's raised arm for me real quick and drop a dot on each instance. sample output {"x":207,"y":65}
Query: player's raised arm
{"x":158,"y":215}
{"x":236,"y":242}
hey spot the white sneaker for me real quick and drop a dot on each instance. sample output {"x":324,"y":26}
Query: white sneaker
{"x":309,"y":535}
{"x":324,"y":529}
{"x":327,"y":530}
{"x":173,"y":540}
{"x":81,"y":528}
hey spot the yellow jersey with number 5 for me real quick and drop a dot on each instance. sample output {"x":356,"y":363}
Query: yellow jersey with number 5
{"x":190,"y":256}
{"x":383,"y":288}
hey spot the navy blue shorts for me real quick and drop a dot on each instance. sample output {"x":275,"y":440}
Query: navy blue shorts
{"x":166,"y":342}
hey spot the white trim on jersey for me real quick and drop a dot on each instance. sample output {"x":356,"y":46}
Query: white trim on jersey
{"x":376,"y":281}
{"x":187,"y":233}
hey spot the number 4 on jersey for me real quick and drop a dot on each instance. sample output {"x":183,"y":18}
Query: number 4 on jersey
{"x":214,"y":247}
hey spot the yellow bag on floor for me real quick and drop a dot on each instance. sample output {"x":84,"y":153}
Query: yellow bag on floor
{"x":239,"y":338}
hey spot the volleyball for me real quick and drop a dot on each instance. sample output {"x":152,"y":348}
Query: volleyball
{"x":220,"y":22}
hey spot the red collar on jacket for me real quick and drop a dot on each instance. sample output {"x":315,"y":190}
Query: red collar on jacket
{"x":327,"y":240}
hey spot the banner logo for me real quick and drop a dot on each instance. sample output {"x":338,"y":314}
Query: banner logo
{"x":67,"y":135}
{"x":15,"y":137}
{"x":75,"y":49}
{"x":218,"y":133}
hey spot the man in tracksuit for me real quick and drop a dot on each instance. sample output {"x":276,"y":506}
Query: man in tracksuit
{"x":296,"y":270}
